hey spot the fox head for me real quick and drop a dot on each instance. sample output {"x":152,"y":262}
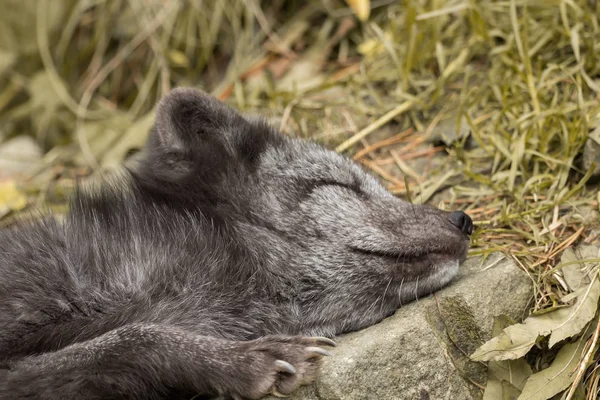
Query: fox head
{"x":299,"y":210}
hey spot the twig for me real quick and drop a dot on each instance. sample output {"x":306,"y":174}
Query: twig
{"x":583,"y":364}
{"x":402,"y":108}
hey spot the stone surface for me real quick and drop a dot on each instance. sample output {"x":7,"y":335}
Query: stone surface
{"x":19,"y":156}
{"x":422,"y":351}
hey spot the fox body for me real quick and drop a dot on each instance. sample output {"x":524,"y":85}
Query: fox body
{"x":219,"y":265}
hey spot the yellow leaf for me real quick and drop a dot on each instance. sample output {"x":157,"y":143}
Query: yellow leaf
{"x":10,"y":198}
{"x":178,"y":59}
{"x":373,"y":47}
{"x":361,"y":8}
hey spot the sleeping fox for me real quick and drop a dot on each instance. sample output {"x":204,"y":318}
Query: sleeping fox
{"x":222,"y":264}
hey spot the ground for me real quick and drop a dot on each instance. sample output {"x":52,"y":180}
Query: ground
{"x":492,"y":108}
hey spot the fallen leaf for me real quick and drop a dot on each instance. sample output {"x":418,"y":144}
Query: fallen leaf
{"x":516,"y":340}
{"x":578,"y":274}
{"x":43,"y":95}
{"x":361,"y":8}
{"x":133,"y":139}
{"x":11,"y":199}
{"x":102,"y":136}
{"x":19,"y":156}
{"x":7,"y":60}
{"x":178,"y":58}
{"x":44,"y":104}
{"x":16,"y":33}
{"x":505,"y":378}
{"x":451,"y":129}
{"x":558,"y":376}
{"x":373,"y":47}
{"x":582,"y":312}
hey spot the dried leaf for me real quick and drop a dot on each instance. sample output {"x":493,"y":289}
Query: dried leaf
{"x":505,"y":378}
{"x":16,"y":18}
{"x":516,"y":340}
{"x":19,"y":156}
{"x":303,"y":76}
{"x":178,"y":58}
{"x":11,"y":199}
{"x":43,"y":95}
{"x":102,"y":136}
{"x":7,"y":59}
{"x":134,"y":138}
{"x":578,"y":274}
{"x":581,"y":313}
{"x":373,"y":47}
{"x":451,"y":129}
{"x":361,"y":8}
{"x":558,"y":376}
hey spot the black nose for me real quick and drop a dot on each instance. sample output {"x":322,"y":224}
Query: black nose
{"x":462,"y":221}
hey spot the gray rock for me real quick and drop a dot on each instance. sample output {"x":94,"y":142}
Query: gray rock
{"x":422,"y":351}
{"x":19,"y":156}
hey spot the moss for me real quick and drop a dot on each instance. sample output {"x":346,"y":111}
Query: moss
{"x":454,"y":325}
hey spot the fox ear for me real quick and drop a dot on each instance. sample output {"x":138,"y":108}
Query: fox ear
{"x":192,"y":125}
{"x":186,"y":118}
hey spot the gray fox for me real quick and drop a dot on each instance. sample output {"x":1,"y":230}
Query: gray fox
{"x":222,"y":263}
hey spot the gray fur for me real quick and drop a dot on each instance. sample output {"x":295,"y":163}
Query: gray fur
{"x":222,"y":252}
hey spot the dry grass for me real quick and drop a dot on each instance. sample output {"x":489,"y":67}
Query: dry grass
{"x":522,"y":76}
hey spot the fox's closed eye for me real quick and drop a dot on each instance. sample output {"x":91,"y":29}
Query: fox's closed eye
{"x":312,"y":185}
{"x":326,"y":182}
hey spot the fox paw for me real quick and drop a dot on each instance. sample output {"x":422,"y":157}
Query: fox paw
{"x":278,"y":365}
